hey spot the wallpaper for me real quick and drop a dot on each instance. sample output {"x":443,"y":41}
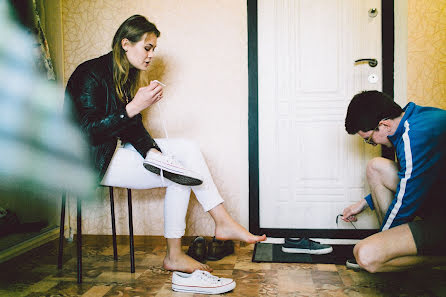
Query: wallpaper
{"x":426,"y":69}
{"x":205,"y":70}
{"x":202,"y":57}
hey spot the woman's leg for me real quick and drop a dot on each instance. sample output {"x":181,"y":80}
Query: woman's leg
{"x":126,"y":171}
{"x":175,"y":209}
{"x":189,"y":154}
{"x":227,"y":228}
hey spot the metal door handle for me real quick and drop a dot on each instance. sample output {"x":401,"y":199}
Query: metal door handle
{"x":372,"y":62}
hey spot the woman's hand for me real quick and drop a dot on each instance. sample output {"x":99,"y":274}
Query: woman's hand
{"x":145,"y":97}
{"x":349,"y":213}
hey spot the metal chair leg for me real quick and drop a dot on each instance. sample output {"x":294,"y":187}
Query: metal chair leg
{"x":79,"y":241}
{"x":61,"y":231}
{"x":112,"y":210}
{"x":132,"y":248}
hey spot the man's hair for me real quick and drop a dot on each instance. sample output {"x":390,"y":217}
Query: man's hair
{"x":368,"y":108}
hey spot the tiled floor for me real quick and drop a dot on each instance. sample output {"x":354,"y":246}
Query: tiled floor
{"x":35,"y":274}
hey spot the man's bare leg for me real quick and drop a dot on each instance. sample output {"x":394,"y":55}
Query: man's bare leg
{"x":177,"y":260}
{"x":227,"y":228}
{"x":391,"y":250}
{"x":382,"y":177}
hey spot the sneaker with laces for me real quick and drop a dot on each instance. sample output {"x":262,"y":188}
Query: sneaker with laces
{"x":201,"y":282}
{"x":171,"y":169}
{"x":305,"y":246}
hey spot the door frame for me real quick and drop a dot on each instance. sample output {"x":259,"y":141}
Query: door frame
{"x":388,"y":29}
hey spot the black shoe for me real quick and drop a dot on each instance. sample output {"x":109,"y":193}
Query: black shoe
{"x":198,"y":249}
{"x":305,"y":246}
{"x":352,"y":264}
{"x":218,"y":249}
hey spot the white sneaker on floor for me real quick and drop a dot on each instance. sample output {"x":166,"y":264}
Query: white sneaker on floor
{"x":201,"y":282}
{"x":171,"y":169}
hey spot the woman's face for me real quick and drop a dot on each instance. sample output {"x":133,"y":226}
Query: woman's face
{"x":140,"y":53}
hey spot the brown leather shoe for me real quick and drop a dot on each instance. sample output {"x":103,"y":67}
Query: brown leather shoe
{"x":198,"y":249}
{"x":218,"y":249}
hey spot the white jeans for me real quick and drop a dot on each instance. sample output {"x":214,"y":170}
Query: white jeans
{"x":126,"y":170}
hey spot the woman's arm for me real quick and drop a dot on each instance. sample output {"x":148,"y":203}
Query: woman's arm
{"x":89,"y":97}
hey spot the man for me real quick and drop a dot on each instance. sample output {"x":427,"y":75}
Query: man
{"x":401,"y":191}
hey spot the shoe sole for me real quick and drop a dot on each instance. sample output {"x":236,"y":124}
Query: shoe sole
{"x":353,"y":266}
{"x":306,"y":251}
{"x":175,"y":177}
{"x":201,"y":290}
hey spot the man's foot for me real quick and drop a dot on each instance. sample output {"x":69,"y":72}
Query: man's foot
{"x":305,"y":246}
{"x":171,"y":169}
{"x":231,"y":230}
{"x":184,"y":263}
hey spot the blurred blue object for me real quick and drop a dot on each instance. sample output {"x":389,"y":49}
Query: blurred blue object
{"x":40,"y":148}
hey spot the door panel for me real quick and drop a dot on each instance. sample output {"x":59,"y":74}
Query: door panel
{"x":309,"y":167}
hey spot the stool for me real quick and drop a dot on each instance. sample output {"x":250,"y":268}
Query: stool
{"x":79,"y":232}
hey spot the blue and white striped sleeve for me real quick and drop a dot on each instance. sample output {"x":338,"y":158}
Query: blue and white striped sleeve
{"x":414,"y":182}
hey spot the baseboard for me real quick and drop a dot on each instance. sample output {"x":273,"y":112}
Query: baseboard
{"x":36,"y":241}
{"x":281,"y":240}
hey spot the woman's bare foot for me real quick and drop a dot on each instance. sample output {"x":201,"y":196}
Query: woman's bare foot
{"x":227,"y":228}
{"x":177,"y":260}
{"x":184,"y":263}
{"x":233,"y":230}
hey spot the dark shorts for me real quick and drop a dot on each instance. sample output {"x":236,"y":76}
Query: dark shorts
{"x":429,"y":235}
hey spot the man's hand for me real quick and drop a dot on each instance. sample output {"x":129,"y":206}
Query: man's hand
{"x":349,"y":213}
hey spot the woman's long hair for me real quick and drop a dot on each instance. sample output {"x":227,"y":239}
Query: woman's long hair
{"x":133,"y":29}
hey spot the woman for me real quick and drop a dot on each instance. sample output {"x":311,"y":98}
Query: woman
{"x":107,"y":104}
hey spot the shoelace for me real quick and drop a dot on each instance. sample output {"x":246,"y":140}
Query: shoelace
{"x":337,"y":220}
{"x":169,"y":159}
{"x":163,"y":123}
{"x":206,"y":276}
{"x":313,"y":242}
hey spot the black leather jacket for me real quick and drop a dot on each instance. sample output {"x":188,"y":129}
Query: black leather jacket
{"x":100,"y":113}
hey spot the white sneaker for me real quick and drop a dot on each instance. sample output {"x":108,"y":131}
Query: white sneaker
{"x":352,"y":264}
{"x":201,"y":282}
{"x":171,"y":169}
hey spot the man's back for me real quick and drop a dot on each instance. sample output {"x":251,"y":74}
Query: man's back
{"x":420,"y":144}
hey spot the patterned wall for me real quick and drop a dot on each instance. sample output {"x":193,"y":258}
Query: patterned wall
{"x":202,"y":57}
{"x":426,"y":69}
{"x":204,"y":67}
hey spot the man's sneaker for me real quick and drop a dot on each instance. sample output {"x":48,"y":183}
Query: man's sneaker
{"x":171,"y":169}
{"x":352,"y":264}
{"x":201,"y":282}
{"x":305,"y":246}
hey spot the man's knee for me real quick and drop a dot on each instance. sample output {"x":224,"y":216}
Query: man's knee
{"x":366,"y":256}
{"x":374,"y":167}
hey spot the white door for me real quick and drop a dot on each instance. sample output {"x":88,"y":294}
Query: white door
{"x":309,"y":167}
